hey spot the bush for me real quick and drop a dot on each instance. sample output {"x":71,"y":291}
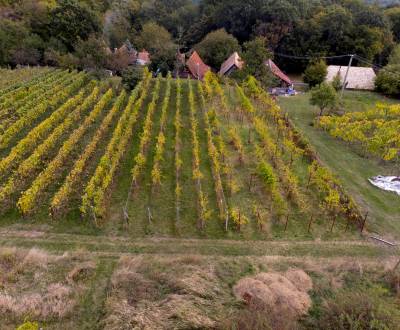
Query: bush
{"x":131,"y":76}
{"x":29,"y":326}
{"x":324,"y":97}
{"x":388,"y":80}
{"x":315,"y":73}
{"x":337,"y":82}
{"x":369,"y":308}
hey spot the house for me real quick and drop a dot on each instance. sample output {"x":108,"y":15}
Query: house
{"x":233,"y":63}
{"x":196,"y":66}
{"x":143,"y":57}
{"x":361,"y":78}
{"x":283,"y":78}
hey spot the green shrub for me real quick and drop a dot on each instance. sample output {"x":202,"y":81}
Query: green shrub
{"x":337,"y":82}
{"x":131,"y":76}
{"x":29,"y":326}
{"x":388,"y":80}
{"x":315,"y":73}
{"x":358,"y":309}
{"x":324,"y":97}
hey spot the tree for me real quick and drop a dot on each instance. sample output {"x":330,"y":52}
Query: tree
{"x":118,"y":61}
{"x":216,"y":47}
{"x":120,"y":23}
{"x":91,"y":53}
{"x":324,"y":97}
{"x":388,"y":79}
{"x":255,"y":53}
{"x":158,"y":42}
{"x":394,"y":16}
{"x":131,"y":76}
{"x":279,"y":18}
{"x":11,"y":35}
{"x":315,"y":73}
{"x":71,"y":21}
{"x":337,"y":82}
{"x":171,"y":14}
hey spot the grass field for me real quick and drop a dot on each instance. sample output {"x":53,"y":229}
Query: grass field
{"x":353,"y":168}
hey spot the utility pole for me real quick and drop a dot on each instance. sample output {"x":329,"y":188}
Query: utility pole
{"x":345,"y":77}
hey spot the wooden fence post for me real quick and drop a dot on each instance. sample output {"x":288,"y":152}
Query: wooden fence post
{"x":287,"y":221}
{"x":310,"y":222}
{"x":363,"y":225}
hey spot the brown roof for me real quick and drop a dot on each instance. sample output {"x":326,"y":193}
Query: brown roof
{"x":233,"y":60}
{"x":143,"y":57}
{"x":196,"y":66}
{"x":277,"y":72}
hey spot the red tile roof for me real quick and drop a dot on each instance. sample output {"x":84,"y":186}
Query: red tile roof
{"x":233,"y":60}
{"x":196,"y":66}
{"x":277,"y":72}
{"x":143,"y":57}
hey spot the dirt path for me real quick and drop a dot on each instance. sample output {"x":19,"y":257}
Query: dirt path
{"x":109,"y":245}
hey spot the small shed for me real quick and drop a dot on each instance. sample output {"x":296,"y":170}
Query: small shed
{"x":143,"y":57}
{"x":284,"y":79}
{"x":196,"y":66}
{"x":233,"y":63}
{"x":361,"y":78}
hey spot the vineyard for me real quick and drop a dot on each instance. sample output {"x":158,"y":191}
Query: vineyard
{"x":173,"y":157}
{"x":376,"y":131}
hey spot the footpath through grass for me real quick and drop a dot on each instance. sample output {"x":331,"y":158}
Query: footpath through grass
{"x":353,"y":169}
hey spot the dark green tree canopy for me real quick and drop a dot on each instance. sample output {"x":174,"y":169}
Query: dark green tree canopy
{"x":293,"y":27}
{"x":71,"y":21}
{"x":315,"y":73}
{"x":216,"y":47}
{"x":324,"y":96}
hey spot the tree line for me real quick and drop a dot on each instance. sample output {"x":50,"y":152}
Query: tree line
{"x":78,"y":34}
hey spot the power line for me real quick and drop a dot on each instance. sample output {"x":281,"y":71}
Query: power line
{"x":310,"y":57}
{"x":365,"y":61}
{"x":358,"y":57}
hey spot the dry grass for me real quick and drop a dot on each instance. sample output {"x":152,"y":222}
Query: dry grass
{"x":55,"y":302}
{"x":163,"y":294}
{"x":40,"y":285}
{"x":174,"y":292}
{"x":278,"y":293}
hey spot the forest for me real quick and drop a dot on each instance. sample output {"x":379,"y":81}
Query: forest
{"x":79,"y":34}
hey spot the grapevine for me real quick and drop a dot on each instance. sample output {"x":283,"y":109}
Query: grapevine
{"x":60,"y":94}
{"x":95,"y":192}
{"x":29,"y":198}
{"x":62,"y":196}
{"x":35,"y":161}
{"x":197,"y":174}
{"x":141,"y":159}
{"x":36,"y":135}
{"x":178,"y":147}
{"x":215,"y":164}
{"x":159,"y":149}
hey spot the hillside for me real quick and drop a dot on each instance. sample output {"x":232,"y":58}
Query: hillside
{"x":181,"y":204}
{"x":205,"y":161}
